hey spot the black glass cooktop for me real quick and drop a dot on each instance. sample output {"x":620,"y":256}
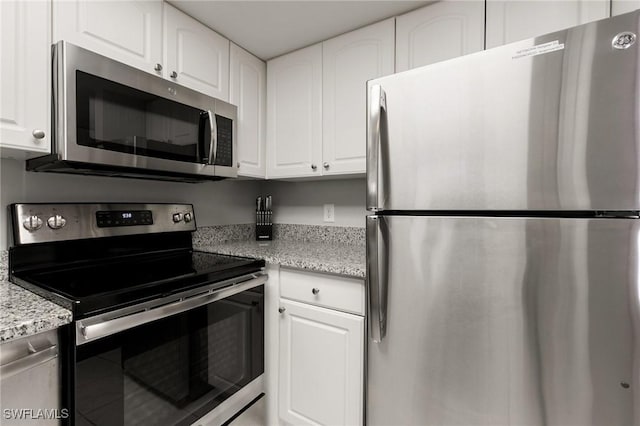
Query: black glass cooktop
{"x":90,"y":288}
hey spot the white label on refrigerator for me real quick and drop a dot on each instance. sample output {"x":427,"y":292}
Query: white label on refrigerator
{"x":540,"y":49}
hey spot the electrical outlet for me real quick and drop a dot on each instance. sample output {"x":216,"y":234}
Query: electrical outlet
{"x":329,"y":213}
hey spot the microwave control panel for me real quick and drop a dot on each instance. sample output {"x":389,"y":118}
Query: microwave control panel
{"x":224,"y":152}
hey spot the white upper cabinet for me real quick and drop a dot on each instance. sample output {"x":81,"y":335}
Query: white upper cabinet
{"x":618,"y":7}
{"x":195,"y":55}
{"x":348,"y":61}
{"x":509,"y":21}
{"x":25,"y":77}
{"x":127,"y":31}
{"x":248,"y":85}
{"x":438,"y":32}
{"x":294,"y":114}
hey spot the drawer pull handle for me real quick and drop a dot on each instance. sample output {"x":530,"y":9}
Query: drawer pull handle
{"x":281,"y":310}
{"x":315,"y":291}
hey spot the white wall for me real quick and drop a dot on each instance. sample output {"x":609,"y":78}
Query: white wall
{"x":215,"y":203}
{"x":301,"y":202}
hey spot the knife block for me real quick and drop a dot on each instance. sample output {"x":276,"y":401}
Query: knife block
{"x":264,"y":225}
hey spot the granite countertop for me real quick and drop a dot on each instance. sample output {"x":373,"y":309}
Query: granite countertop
{"x":23,"y":313}
{"x":343,"y":259}
{"x":316,"y":248}
{"x":330,"y":249}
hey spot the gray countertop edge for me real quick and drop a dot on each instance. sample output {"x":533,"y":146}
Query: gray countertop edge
{"x":24,"y":313}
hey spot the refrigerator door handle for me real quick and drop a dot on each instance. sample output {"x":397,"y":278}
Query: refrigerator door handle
{"x":377,"y":282}
{"x":377,"y":103}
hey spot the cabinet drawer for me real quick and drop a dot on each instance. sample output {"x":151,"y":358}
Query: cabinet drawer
{"x":330,"y":291}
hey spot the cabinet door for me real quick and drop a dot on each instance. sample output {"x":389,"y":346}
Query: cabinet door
{"x":127,"y":31}
{"x":509,"y":21}
{"x":248,"y":91}
{"x":294,"y":114}
{"x":348,"y":61}
{"x":438,"y":32}
{"x":196,"y":56}
{"x":618,"y":7}
{"x":25,"y":76}
{"x":321,"y":365}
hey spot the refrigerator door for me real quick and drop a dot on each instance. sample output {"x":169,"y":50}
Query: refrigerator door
{"x":550,"y":123}
{"x":504,"y":321}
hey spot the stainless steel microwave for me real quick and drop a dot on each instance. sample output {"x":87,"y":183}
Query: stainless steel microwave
{"x":112,"y":119}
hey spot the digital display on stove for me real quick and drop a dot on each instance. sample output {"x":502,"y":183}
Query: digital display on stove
{"x":109,"y":219}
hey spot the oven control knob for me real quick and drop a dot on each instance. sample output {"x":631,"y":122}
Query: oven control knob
{"x":32,"y":223}
{"x":187,"y":217}
{"x":56,"y":222}
{"x":177,"y":217}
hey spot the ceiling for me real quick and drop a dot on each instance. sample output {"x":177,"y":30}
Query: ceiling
{"x":271,"y":28}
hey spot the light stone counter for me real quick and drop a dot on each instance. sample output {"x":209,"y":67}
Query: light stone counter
{"x":330,"y":249}
{"x":23,"y":313}
{"x":320,"y":257}
{"x":333,"y":250}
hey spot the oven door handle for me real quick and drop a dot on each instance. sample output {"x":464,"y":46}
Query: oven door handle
{"x":94,"y":328}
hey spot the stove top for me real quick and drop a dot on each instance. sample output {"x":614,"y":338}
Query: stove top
{"x":93,"y":288}
{"x":91,"y":268}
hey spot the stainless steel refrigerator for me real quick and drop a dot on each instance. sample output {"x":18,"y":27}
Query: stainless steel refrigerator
{"x":502,"y":250}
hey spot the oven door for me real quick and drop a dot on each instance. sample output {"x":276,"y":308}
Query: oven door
{"x":175,"y":369}
{"x":110,"y":114}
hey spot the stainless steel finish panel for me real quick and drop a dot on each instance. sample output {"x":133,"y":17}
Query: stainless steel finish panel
{"x":508,"y":321}
{"x":93,"y":328}
{"x":30,"y":361}
{"x":24,"y":353}
{"x":514,"y":128}
{"x":30,"y":380}
{"x":80,"y":221}
{"x":68,"y":59}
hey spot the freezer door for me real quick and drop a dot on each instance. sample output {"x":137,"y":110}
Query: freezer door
{"x":550,"y":123}
{"x":504,"y":321}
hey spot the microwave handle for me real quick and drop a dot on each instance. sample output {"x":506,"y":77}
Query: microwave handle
{"x":213,"y":148}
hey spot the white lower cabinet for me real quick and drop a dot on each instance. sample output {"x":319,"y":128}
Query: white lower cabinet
{"x":321,"y":349}
{"x":321,"y":365}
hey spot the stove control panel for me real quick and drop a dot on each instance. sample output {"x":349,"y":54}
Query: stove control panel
{"x":56,"y":221}
{"x":112,"y":218}
{"x":32,"y":223}
{"x":81,"y":221}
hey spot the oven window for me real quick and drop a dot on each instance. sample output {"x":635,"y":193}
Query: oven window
{"x":174,"y":370}
{"x":115,"y":117}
